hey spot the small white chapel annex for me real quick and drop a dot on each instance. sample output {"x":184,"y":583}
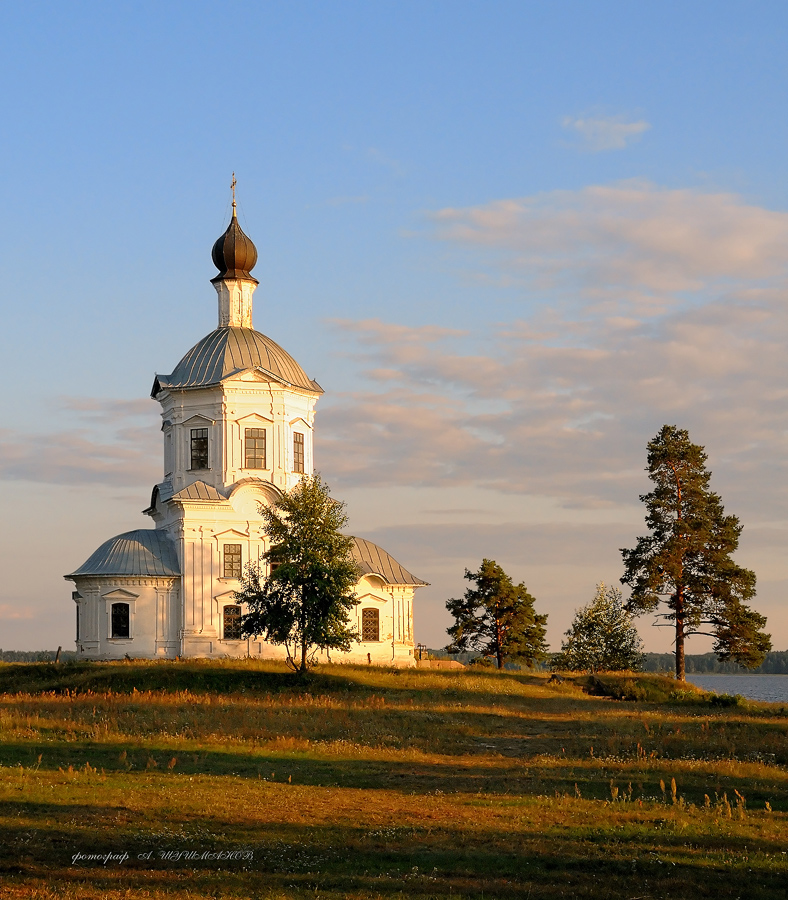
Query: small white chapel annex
{"x":238,"y":425}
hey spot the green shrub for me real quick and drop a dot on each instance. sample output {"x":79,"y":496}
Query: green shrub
{"x":482,"y":662}
{"x":727,"y":700}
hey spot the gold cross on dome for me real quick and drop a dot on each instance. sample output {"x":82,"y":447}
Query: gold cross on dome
{"x":232,"y":186}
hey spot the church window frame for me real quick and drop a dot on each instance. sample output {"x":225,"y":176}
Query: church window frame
{"x":298,"y":452}
{"x":255,"y":449}
{"x":370,"y":625}
{"x":232,"y":560}
{"x":120,"y":621}
{"x":232,"y":626}
{"x":198,"y":449}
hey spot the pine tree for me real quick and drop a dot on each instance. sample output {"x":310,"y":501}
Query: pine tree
{"x":602,"y":636}
{"x":304,"y":603}
{"x":685,"y":561}
{"x":497,"y":618}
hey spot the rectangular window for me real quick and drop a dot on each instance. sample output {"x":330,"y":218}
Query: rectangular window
{"x":298,"y":452}
{"x":199,"y":448}
{"x":370,"y":625}
{"x":232,"y":623}
{"x":77,"y":623}
{"x":120,"y":620}
{"x":254,"y":448}
{"x":232,"y":560}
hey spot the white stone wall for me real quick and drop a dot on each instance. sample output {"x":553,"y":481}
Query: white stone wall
{"x":155,"y":616}
{"x":203,"y":528}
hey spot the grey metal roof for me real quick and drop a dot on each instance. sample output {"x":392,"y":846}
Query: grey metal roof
{"x":373,"y":560}
{"x":145,"y":551}
{"x":149,"y":551}
{"x":198,"y":490}
{"x":228,"y":351}
{"x":165,"y":490}
{"x":162,"y":491}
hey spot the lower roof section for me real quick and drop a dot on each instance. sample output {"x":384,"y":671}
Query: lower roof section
{"x":373,"y":560}
{"x":152,"y":552}
{"x":146,"y":551}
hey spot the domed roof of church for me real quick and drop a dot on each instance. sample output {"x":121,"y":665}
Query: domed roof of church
{"x":145,"y":551}
{"x":374,"y":560}
{"x":228,"y":351}
{"x":234,"y":254}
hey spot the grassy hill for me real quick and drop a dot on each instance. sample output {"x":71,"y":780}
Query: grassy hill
{"x":234,"y":779}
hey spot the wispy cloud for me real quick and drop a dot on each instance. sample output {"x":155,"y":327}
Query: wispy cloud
{"x":110,"y":442}
{"x":14,"y":611}
{"x":382,"y":159}
{"x":599,"y":133}
{"x":631,"y":245}
{"x":570,"y":418}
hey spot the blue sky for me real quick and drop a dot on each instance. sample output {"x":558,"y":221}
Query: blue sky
{"x":511,"y":240}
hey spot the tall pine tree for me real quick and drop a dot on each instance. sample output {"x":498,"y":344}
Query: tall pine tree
{"x":685,"y":563}
{"x":497,"y":618}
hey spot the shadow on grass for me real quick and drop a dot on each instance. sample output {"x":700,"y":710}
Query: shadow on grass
{"x":501,"y":776}
{"x":255,"y":677}
{"x":342,"y":861}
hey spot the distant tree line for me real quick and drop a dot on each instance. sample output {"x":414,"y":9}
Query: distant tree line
{"x":775,"y":663}
{"x":35,"y":655}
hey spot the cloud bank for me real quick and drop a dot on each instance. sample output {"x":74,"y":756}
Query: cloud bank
{"x":640,"y":306}
{"x":108,"y":442}
{"x":657,"y":306}
{"x":632,"y":247}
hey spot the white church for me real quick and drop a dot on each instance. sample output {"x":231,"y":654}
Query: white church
{"x":238,"y":415}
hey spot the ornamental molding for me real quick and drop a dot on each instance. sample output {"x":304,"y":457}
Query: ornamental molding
{"x":120,"y":594}
{"x":95,"y":584}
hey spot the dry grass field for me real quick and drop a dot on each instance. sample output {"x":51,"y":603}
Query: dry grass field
{"x":202,"y":779}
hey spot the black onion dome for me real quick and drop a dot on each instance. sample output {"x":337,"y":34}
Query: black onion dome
{"x":234,"y":254}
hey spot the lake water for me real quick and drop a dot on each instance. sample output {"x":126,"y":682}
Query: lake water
{"x":773,"y":688}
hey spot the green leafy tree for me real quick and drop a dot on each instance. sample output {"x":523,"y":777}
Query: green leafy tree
{"x":305,"y":601}
{"x":685,"y":564}
{"x":497,"y":618}
{"x":602,"y":636}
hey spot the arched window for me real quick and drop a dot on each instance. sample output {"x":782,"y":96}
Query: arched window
{"x":232,"y":623}
{"x":370,"y":625}
{"x":120,"y":620}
